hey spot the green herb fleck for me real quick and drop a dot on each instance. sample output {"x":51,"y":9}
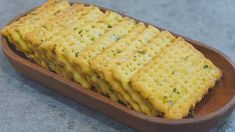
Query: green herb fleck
{"x":51,"y":68}
{"x":118,"y":38}
{"x":164,"y":99}
{"x":205,"y":66}
{"x":44,"y":26}
{"x":109,"y":26}
{"x":121,"y":102}
{"x":186,"y":57}
{"x":56,"y":12}
{"x":75,"y":29}
{"x":175,"y":91}
{"x":110,"y":88}
{"x":119,"y":51}
{"x":142,"y":51}
{"x":170,"y":102}
{"x":76,"y":54}
{"x":80,"y":32}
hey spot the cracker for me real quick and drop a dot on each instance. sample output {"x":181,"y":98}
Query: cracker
{"x":114,"y":32}
{"x":101,"y":59}
{"x":141,"y":39}
{"x":123,"y":70}
{"x":176,"y":79}
{"x":63,"y":21}
{"x":30,"y":15}
{"x":113,"y":35}
{"x":70,"y":44}
{"x":16,"y":31}
{"x":75,"y":19}
{"x":56,"y":24}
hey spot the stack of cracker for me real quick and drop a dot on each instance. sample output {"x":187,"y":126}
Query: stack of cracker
{"x":137,"y":65}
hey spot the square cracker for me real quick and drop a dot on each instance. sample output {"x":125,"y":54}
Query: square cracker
{"x":175,"y":80}
{"x":116,"y":51}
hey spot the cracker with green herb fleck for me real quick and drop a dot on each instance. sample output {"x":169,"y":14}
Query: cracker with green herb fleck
{"x":122,"y":70}
{"x":113,"y":35}
{"x":142,"y":38}
{"x":77,"y":16}
{"x":119,"y":45}
{"x":176,"y":79}
{"x":67,"y":46}
{"x":103,"y":59}
{"x":69,"y":19}
{"x":16,"y":31}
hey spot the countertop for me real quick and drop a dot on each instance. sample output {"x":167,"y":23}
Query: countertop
{"x":26,"y":105}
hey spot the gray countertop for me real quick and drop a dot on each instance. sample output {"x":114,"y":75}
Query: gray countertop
{"x":26,"y":105}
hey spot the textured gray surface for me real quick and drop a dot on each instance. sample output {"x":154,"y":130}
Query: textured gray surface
{"x":26,"y":105}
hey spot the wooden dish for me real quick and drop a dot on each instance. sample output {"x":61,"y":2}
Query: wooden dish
{"x":212,"y":111}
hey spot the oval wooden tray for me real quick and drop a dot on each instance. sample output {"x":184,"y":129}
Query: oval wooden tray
{"x":212,"y":111}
